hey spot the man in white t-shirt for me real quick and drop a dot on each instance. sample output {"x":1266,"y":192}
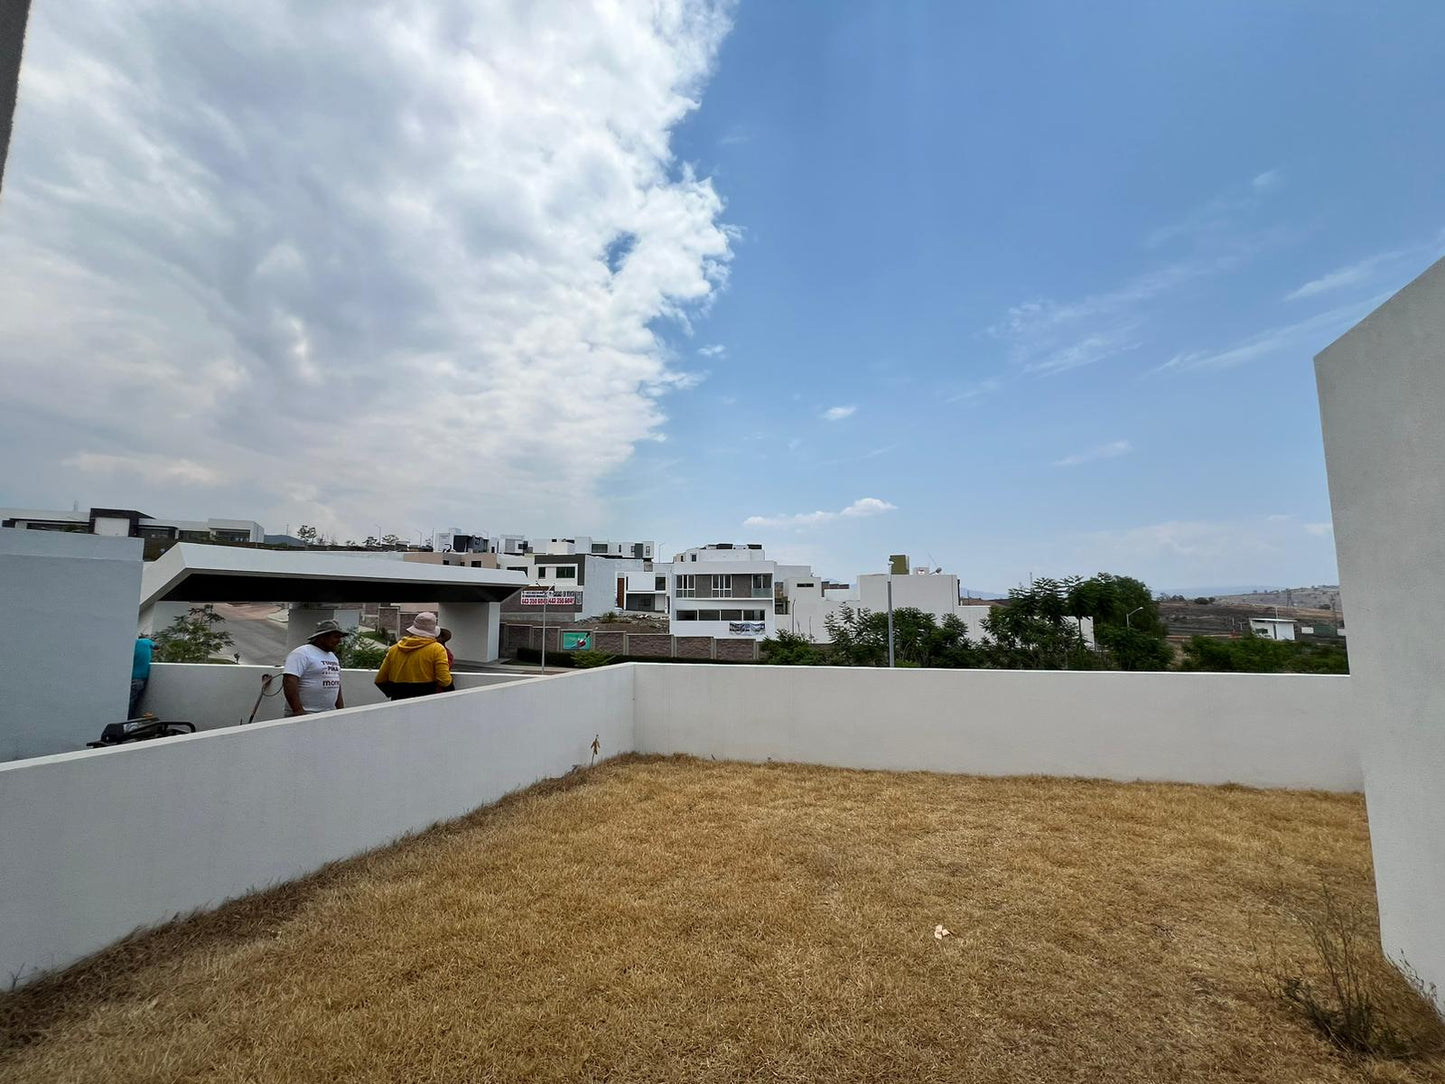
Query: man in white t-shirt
{"x":311,"y":680}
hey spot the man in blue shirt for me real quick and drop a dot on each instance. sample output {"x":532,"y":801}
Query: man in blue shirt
{"x":140,"y":671}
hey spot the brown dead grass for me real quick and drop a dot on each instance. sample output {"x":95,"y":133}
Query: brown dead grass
{"x":671,"y":920}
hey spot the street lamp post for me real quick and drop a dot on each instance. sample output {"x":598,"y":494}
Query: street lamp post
{"x":1130,"y":614}
{"x":890,"y":618}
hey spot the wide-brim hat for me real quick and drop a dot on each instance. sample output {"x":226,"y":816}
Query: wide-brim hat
{"x":425,"y":625}
{"x":325,"y":627}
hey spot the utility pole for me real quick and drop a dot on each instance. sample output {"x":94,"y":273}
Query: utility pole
{"x":890,"y":618}
{"x":544,"y":628}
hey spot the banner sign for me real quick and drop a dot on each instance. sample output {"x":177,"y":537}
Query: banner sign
{"x":748,"y":627}
{"x":576,"y":641}
{"x":549,"y":598}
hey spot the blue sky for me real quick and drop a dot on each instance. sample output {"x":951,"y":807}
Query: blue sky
{"x":1136,"y":186}
{"x":1015,"y":289}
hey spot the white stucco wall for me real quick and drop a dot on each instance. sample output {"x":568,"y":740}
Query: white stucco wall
{"x":1268,"y":730}
{"x":1382,"y":404}
{"x":66,"y":641}
{"x":217,"y":695}
{"x":937,"y":595}
{"x":98,"y":843}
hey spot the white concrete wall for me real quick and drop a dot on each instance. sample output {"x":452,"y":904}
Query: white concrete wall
{"x":213,"y":696}
{"x":67,"y":638}
{"x":98,"y":843}
{"x":936,"y":595}
{"x":1382,"y":404}
{"x":1269,"y":730}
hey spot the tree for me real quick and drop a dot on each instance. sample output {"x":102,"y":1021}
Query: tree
{"x":1036,"y":630}
{"x":193,"y":637}
{"x":1253,"y":654}
{"x":307,"y":534}
{"x":860,"y":638}
{"x":1112,"y":600}
{"x":1126,"y":620}
{"x":358,"y":652}
{"x":791,"y":649}
{"x":1134,"y":649}
{"x":391,"y":541}
{"x":372,"y":542}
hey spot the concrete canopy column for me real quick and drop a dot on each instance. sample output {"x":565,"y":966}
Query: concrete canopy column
{"x":476,"y":629}
{"x":302,"y":619}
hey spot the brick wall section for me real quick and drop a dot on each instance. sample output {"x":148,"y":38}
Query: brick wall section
{"x":738,"y":650}
{"x":383,"y":617}
{"x":515,"y":636}
{"x":613,"y":643}
{"x":655,"y":644}
{"x":694,"y":647}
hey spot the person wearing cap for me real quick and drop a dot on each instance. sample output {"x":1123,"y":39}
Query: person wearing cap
{"x":415,"y":665}
{"x":311,"y":679}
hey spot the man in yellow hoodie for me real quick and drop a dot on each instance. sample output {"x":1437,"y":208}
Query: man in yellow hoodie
{"x":417,"y":664}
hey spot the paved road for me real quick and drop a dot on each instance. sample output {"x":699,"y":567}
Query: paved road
{"x":260,"y":641}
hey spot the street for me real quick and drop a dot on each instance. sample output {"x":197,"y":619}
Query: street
{"x":260,"y":641}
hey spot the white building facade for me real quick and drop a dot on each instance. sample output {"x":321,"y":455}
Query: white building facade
{"x":725,"y":590}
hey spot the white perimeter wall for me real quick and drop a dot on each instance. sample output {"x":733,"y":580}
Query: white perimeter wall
{"x":217,"y":695}
{"x":1382,"y":403}
{"x":96,"y":844}
{"x":67,"y":635}
{"x":1268,"y":730}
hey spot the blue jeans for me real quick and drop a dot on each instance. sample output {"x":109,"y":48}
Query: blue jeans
{"x":137,"y":687}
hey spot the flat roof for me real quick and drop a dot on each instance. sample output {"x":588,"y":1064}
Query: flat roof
{"x":191,"y":572}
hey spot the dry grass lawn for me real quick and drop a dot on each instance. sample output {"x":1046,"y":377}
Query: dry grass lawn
{"x":678,"y":920}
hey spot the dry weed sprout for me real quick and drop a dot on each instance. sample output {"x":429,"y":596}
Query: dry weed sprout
{"x":1347,"y":988}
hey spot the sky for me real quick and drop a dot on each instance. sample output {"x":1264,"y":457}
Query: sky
{"x":1017,"y":290}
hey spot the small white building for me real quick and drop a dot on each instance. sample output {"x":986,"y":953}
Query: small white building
{"x":1272,"y":628}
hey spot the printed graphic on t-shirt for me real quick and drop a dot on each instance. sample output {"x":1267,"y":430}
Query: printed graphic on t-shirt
{"x":318,"y":676}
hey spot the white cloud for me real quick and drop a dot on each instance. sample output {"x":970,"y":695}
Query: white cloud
{"x":838,"y":413}
{"x":1104,"y":451}
{"x":152,"y":468}
{"x":976,"y":390}
{"x":1303,"y":338}
{"x":1270,"y":178}
{"x":1393,"y":267}
{"x":1319,"y":530}
{"x":412,"y":254}
{"x":1050,"y":337}
{"x":715,"y":351}
{"x":864,"y":506}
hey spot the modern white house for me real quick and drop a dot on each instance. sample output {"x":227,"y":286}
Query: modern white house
{"x":455,"y":540}
{"x":724,"y":590}
{"x":1272,"y":628}
{"x":129,"y":523}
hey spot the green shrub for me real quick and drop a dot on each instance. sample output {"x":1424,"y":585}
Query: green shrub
{"x":587,"y":660}
{"x":360,"y":652}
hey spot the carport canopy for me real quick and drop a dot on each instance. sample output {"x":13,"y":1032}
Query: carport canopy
{"x":190,"y":572}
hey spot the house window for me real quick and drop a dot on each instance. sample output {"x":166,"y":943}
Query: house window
{"x":566,"y":572}
{"x":687,"y":615}
{"x":762,"y":584}
{"x":660,"y":583}
{"x":722,"y":587}
{"x":686,"y":586}
{"x":753,"y":615}
{"x":731,"y":615}
{"x":708,"y":615}
{"x":599,"y":547}
{"x":542,"y":572}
